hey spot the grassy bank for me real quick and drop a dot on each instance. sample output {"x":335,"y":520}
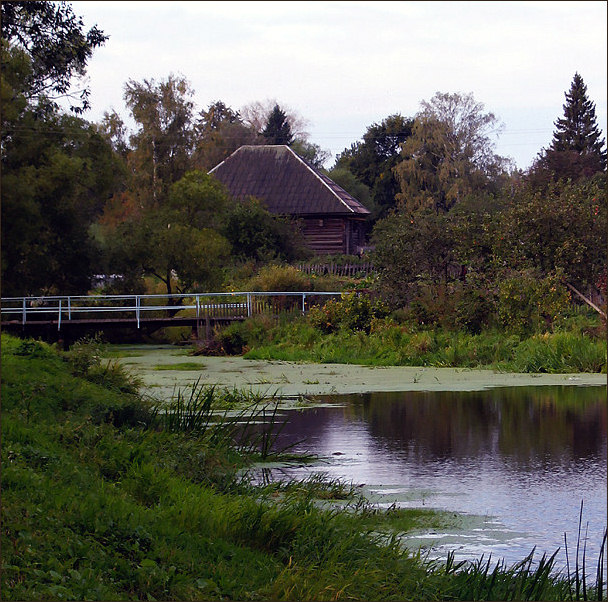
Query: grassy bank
{"x":105,"y":497}
{"x":577,"y":346}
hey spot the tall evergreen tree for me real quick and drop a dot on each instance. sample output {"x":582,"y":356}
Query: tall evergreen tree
{"x":277,"y":130}
{"x":577,"y":149}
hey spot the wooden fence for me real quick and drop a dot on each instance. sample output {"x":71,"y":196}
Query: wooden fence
{"x":352,"y":270}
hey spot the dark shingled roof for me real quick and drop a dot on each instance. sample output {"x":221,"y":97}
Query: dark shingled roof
{"x":285,"y":182}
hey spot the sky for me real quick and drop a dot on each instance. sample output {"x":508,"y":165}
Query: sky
{"x":344,"y":66}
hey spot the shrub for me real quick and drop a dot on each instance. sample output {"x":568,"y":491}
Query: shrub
{"x":232,"y":339}
{"x":352,"y":312}
{"x":473,"y":310}
{"x":527,"y":303}
{"x":85,"y":354}
{"x":279,"y":278}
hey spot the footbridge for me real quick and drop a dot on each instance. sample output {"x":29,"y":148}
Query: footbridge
{"x":74,"y":315}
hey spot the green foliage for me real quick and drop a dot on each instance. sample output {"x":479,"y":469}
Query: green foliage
{"x":577,"y":149}
{"x":449,"y":154}
{"x":372,"y":161}
{"x":558,"y":353}
{"x":85,"y":358}
{"x":392,"y":344}
{"x":57,"y":48}
{"x":164,"y":243}
{"x":474,"y":309}
{"x":282,"y":278}
{"x":219,"y":131}
{"x":233,"y":339}
{"x":352,"y":312}
{"x":562,"y":228}
{"x":411,"y":249}
{"x":55,"y":171}
{"x":199,"y":200}
{"x":528,"y":304}
{"x":255,"y":233}
{"x":162,"y":144}
{"x":277,"y":129}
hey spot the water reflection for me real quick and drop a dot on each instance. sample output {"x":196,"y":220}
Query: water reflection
{"x":524,"y":457}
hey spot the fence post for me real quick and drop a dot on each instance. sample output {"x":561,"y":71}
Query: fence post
{"x":59,"y":317}
{"x":24,"y":311}
{"x":249,"y":305}
{"x":137,"y":309}
{"x":303,"y":303}
{"x":69,"y":310}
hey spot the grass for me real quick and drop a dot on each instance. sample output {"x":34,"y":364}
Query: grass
{"x":106,"y":497}
{"x":393,"y":345}
{"x":180,"y":366}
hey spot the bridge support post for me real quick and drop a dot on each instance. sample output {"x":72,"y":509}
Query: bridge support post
{"x":207,"y":329}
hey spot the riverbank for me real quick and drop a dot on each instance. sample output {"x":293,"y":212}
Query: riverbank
{"x":162,"y":368}
{"x":105,"y":497}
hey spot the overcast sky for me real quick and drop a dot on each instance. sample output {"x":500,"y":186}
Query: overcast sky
{"x":343,"y":66}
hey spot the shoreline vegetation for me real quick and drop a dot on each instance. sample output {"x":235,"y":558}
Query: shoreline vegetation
{"x":357,"y":330}
{"x":107,"y":496}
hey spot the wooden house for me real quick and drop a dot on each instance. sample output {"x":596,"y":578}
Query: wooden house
{"x":332,"y":220}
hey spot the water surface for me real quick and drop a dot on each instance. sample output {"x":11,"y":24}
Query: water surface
{"x":523,"y":458}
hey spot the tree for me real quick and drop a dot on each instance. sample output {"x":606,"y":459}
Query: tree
{"x":577,"y":149}
{"x":162,"y":145}
{"x":58,"y":48}
{"x":277,"y":129}
{"x":178,"y":242}
{"x":449,"y":154}
{"x":347,"y":180}
{"x":372,"y":161}
{"x":312,"y":153}
{"x":57,"y":169}
{"x":255,"y":115}
{"x":412,"y":249}
{"x":218,"y":132}
{"x":56,"y":175}
{"x":255,"y":233}
{"x":561,"y":228}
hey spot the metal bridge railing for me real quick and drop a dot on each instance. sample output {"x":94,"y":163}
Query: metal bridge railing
{"x":67,"y":308}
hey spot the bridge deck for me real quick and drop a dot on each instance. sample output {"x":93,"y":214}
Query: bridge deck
{"x":149,"y":311}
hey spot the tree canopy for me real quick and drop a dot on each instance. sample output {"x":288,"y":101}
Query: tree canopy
{"x":277,"y":129}
{"x":57,"y":169}
{"x":450,"y":154}
{"x":58,"y":49}
{"x":578,"y":148}
{"x":372,"y":161}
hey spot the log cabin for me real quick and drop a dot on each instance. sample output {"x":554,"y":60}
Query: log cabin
{"x":332,"y":220}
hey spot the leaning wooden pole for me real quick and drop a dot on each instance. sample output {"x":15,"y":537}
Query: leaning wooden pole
{"x":586,"y":300}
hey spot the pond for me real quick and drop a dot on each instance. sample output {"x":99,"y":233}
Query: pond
{"x":519,"y":460}
{"x":516,"y":453}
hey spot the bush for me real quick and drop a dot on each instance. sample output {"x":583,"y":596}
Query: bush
{"x":84,"y":354}
{"x":284,"y":278}
{"x":232,"y":339}
{"x":527,"y":303}
{"x":352,"y":312}
{"x":473,"y":310}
